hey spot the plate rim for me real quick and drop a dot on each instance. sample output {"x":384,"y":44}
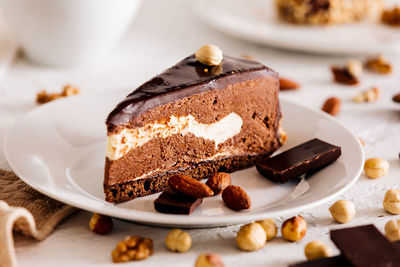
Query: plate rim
{"x":171,"y":220}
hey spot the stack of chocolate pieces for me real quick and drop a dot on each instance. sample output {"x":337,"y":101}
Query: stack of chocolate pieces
{"x":361,"y":246}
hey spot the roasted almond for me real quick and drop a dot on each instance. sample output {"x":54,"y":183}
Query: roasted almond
{"x":396,"y":98}
{"x":236,"y":198}
{"x":332,"y":106}
{"x":287,"y":84}
{"x":218,"y":182}
{"x":188,"y":186}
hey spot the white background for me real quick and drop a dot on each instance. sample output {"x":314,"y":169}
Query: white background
{"x":163,"y":33}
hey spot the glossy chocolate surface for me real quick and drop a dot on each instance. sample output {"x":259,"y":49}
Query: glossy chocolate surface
{"x":186,"y":78}
{"x":301,"y":159}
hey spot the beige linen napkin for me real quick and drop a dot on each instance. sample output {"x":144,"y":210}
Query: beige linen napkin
{"x":27,"y":211}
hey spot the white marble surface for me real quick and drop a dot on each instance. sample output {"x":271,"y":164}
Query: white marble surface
{"x":163,"y":33}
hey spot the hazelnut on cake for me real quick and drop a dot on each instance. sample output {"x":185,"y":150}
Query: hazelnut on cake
{"x":192,"y":119}
{"x":317,"y":12}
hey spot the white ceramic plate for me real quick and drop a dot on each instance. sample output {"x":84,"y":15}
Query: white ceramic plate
{"x":257,"y":21}
{"x":59,"y":150}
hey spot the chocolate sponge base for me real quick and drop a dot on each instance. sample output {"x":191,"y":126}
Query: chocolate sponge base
{"x":152,"y":184}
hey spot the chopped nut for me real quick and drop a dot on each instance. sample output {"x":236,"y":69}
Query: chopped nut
{"x":269,"y":227}
{"x":391,"y":202}
{"x":236,"y":198}
{"x":343,"y":76}
{"x":343,"y":211}
{"x":316,"y":250}
{"x":178,"y":241}
{"x":100,"y":224}
{"x":209,"y":260}
{"x":282,"y":135}
{"x":294,"y":229}
{"x":392,"y":230}
{"x":332,"y":106}
{"x":379,"y":65}
{"x":376,"y":167}
{"x":354,"y":67}
{"x":361,"y":141}
{"x":43,"y":97}
{"x":286,"y":84}
{"x":396,"y":98}
{"x":218,"y":182}
{"x":132,"y":248}
{"x":209,"y":55}
{"x":370,"y":95}
{"x":391,"y":16}
{"x":251,"y":237}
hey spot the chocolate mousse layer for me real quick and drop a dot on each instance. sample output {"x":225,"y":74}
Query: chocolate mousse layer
{"x":192,"y":119}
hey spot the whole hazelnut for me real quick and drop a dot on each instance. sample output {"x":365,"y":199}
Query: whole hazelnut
{"x":209,"y":55}
{"x":392,"y":230}
{"x":209,"y":260}
{"x":316,"y":250}
{"x":294,"y":229}
{"x":376,"y":167}
{"x":251,"y":237}
{"x":178,"y":241}
{"x":269,"y":227}
{"x":391,"y":202}
{"x":100,"y":224}
{"x":343,"y":211}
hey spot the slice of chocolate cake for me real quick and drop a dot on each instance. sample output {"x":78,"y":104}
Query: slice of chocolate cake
{"x":192,"y":119}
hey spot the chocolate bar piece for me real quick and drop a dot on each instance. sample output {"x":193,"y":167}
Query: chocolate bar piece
{"x":311,"y":155}
{"x":365,"y":246}
{"x":175,"y":203}
{"x":335,"y":261}
{"x":326,"y":262}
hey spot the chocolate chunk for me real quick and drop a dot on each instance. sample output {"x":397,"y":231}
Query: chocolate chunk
{"x":309,"y":156}
{"x":175,"y":203}
{"x":335,"y":261}
{"x":366,"y":246}
{"x":326,"y":262}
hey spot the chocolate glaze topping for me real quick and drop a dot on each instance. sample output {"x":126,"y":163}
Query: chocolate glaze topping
{"x":186,"y":78}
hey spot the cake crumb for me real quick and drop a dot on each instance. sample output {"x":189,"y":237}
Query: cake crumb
{"x":68,"y":90}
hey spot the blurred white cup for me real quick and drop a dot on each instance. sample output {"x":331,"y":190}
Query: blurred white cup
{"x":68,"y":32}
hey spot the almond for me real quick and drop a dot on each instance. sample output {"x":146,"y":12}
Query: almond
{"x":286,"y":84}
{"x":188,"y":186}
{"x":218,"y":182}
{"x":332,"y":106}
{"x":236,"y":198}
{"x":396,"y":98}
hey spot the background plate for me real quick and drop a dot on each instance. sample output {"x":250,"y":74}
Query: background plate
{"x":59,"y":150}
{"x":257,"y":21}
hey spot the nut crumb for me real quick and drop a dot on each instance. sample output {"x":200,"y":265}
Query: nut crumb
{"x":370,"y":95}
{"x":391,"y":16}
{"x":132,"y":248}
{"x":43,"y":97}
{"x":342,"y":75}
{"x":379,"y":65}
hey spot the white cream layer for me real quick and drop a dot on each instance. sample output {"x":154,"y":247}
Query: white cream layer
{"x":121,"y":143}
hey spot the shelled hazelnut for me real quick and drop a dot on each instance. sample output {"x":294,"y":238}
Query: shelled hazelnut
{"x":316,"y":250}
{"x":209,"y":260}
{"x":294,"y":229}
{"x":391,"y":201}
{"x":343,"y":211}
{"x":376,"y":167}
{"x":209,"y":55}
{"x":370,"y":95}
{"x":100,"y":224}
{"x":251,"y":237}
{"x":178,"y":241}
{"x":269,"y":227}
{"x":392,"y":230}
